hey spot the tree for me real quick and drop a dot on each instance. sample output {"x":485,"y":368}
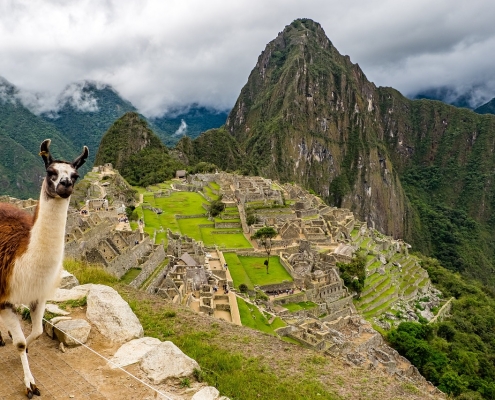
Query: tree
{"x":264,"y":237}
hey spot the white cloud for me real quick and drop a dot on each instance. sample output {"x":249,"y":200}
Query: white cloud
{"x":162,"y":55}
{"x":182,"y":129}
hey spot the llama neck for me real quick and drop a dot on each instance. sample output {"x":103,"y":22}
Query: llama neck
{"x":48,"y":231}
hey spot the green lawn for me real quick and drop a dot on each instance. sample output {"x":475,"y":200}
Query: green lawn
{"x":182,"y":203}
{"x":190,"y":227}
{"x":225,"y":241}
{"x":252,"y":317}
{"x":251,"y":271}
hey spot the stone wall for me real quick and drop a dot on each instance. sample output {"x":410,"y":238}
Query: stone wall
{"x":149,"y":266}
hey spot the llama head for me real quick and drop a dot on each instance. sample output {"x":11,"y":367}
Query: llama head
{"x":60,"y":175}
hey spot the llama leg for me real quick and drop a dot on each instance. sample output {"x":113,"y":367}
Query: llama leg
{"x":37,"y":312}
{"x":13,"y":325}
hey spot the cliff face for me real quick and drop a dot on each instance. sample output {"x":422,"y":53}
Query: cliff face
{"x":308,"y":114}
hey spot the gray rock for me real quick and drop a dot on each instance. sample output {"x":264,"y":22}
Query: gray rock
{"x":167,"y":361}
{"x":76,"y":293}
{"x":54,"y":309}
{"x":68,"y":280}
{"x":133,"y":351}
{"x":72,"y":332}
{"x":207,"y":393}
{"x":49,"y":325}
{"x":111,"y":315}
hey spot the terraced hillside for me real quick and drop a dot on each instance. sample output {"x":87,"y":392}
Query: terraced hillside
{"x":393,"y":277}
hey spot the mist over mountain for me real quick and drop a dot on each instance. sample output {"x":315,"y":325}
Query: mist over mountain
{"x":81,"y":115}
{"x":471,"y":97}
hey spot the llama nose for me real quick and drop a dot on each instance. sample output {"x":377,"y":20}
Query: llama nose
{"x":66,"y":182}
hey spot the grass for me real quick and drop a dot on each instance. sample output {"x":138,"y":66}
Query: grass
{"x":252,"y":317}
{"x":89,"y":273}
{"x":130,"y":275}
{"x":251,"y":271}
{"x":303,"y":305}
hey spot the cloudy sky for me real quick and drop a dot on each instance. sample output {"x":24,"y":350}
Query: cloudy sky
{"x":164,"y":53}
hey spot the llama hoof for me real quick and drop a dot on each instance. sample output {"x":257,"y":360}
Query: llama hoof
{"x":35,"y":390}
{"x":2,"y":343}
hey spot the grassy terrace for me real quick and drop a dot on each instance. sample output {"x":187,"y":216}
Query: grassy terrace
{"x":187,"y":203}
{"x":210,"y":193}
{"x":252,"y":317}
{"x":251,"y":271}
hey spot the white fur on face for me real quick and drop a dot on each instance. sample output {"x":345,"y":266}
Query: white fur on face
{"x":61,"y":178}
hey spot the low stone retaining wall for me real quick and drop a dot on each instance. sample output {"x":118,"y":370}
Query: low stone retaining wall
{"x":189,"y":216}
{"x":220,"y":225}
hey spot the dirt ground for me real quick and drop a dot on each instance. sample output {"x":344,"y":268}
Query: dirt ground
{"x":76,"y":374}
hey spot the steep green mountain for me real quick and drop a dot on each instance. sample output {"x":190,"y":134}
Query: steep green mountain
{"x":191,"y":122}
{"x":87,"y":111}
{"x":136,"y":151}
{"x":487,"y":108}
{"x":417,"y":169}
{"x":21,"y":133}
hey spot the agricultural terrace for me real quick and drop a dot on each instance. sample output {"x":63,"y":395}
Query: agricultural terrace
{"x":251,"y":270}
{"x":200,"y":228}
{"x":252,"y":317}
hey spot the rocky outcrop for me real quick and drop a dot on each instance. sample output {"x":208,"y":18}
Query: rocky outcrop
{"x":111,"y":315}
{"x":133,"y":351}
{"x":167,"y":361}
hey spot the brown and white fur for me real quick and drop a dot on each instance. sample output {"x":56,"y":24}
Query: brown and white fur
{"x":32,"y":251}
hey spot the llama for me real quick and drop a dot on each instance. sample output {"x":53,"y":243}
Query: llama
{"x":32,"y":251}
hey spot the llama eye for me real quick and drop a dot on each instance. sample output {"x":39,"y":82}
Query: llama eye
{"x":52,"y":175}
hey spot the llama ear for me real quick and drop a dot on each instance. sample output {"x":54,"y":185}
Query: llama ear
{"x":45,"y":152}
{"x":79,"y":161}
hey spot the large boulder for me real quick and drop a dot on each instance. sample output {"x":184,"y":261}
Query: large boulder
{"x":111,"y":315}
{"x":133,"y":351}
{"x":166,"y":361}
{"x":72,"y":332}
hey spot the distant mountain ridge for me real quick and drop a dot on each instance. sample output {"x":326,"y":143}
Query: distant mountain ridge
{"x":85,"y":111}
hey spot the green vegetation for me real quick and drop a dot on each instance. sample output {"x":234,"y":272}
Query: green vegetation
{"x":354,"y":273}
{"x":458,"y":354}
{"x":252,"y":317}
{"x":250,"y":270}
{"x":216,"y":207}
{"x":235,"y":373}
{"x":130,"y":275}
{"x":89,"y":273}
{"x":302,"y":305}
{"x":134,"y":149}
{"x":264,"y":237}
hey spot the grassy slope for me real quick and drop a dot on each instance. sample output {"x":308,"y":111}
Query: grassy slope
{"x":249,"y":365}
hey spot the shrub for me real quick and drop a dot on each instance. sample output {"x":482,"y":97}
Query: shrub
{"x":243,"y":288}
